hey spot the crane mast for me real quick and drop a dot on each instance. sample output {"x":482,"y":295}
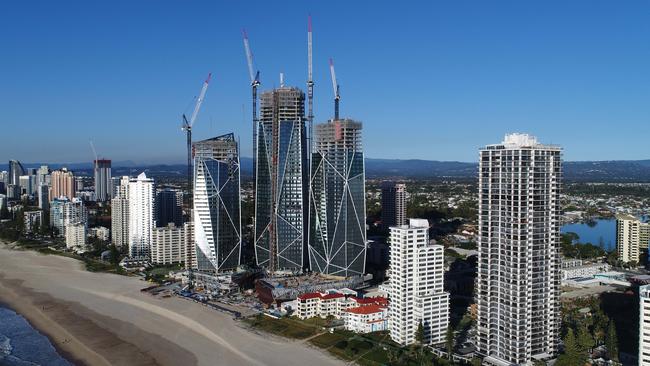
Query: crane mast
{"x":255,"y":82}
{"x":335,"y":86}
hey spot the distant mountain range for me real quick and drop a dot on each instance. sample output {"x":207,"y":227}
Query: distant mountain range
{"x":586,"y":171}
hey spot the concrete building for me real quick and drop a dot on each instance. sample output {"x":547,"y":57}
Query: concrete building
{"x":337,"y":200}
{"x":32,"y":221}
{"x":632,"y":237}
{"x":190,"y":249}
{"x":64,"y":212}
{"x":281,"y":181}
{"x":120,"y":214}
{"x":168,"y":244}
{"x":217,"y":206}
{"x":63,"y":184}
{"x":393,"y":204}
{"x":13,"y":191}
{"x":43,"y":176}
{"x":3,"y":204}
{"x":518,"y":284}
{"x":366,"y":319}
{"x":644,"y":325}
{"x":75,"y":237}
{"x":169,"y":207}
{"x":332,"y":303}
{"x":416,"y":285}
{"x":141,"y":216}
{"x":103,"y":181}
{"x":27,"y":184}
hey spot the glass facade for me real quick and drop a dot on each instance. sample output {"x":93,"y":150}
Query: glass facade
{"x":337,"y":230}
{"x":217,"y":210}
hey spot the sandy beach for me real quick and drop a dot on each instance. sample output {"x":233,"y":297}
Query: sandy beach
{"x":104,"y":319}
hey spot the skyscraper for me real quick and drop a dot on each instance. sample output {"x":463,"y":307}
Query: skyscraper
{"x":15,"y":171}
{"x":217,"y":210}
{"x":141,"y":216}
{"x":120,"y":214}
{"x":43,"y":193}
{"x":337,"y":230}
{"x":393,"y":204}
{"x":416,"y":285}
{"x":281,"y":186}
{"x":169,"y":207}
{"x":63,"y":184}
{"x":518,"y":286}
{"x":103,"y":190}
{"x":64,"y":212}
{"x":644,"y":325}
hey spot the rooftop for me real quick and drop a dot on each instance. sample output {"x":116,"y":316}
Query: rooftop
{"x":369,"y":309}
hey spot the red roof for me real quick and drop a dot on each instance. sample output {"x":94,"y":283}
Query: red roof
{"x":332,"y":296}
{"x":311,"y":295}
{"x":369,"y":309}
{"x":371,"y":300}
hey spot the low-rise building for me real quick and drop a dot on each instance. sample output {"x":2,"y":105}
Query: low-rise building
{"x":366,"y":319}
{"x":100,"y":232}
{"x":333,"y":303}
{"x":585,"y":270}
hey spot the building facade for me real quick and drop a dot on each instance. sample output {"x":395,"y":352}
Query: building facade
{"x":15,"y":171}
{"x":518,"y":285}
{"x":217,"y":207}
{"x":33,"y":220}
{"x":337,"y":200}
{"x":632,"y":237}
{"x":64,"y":212}
{"x":63,"y":184}
{"x":75,"y":237}
{"x":281,"y":181}
{"x":366,"y":319}
{"x":103,"y":181}
{"x":169,"y":207}
{"x":168,"y":244}
{"x":644,"y":325}
{"x":416,"y":285}
{"x":141,"y":216}
{"x":393,"y":204}
{"x":120,"y":214}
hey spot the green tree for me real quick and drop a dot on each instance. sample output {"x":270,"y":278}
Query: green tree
{"x":584,"y":339}
{"x":419,"y":334}
{"x":571,"y":355}
{"x":449,"y":342}
{"x":611,"y":341}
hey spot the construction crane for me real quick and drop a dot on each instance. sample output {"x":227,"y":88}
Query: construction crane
{"x":187,"y":127}
{"x":337,"y":95}
{"x":310,"y":88}
{"x":255,"y":82}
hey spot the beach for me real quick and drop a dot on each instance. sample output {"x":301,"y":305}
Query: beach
{"x":104,"y":319}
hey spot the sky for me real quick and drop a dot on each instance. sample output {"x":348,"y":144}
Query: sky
{"x":431,"y":80}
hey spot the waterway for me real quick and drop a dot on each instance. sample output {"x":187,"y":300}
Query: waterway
{"x":594,"y":232}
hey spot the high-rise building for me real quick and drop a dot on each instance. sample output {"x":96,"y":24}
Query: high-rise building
{"x":13,"y":191}
{"x":103,"y":190}
{"x":26,"y":184}
{"x":141,"y":216}
{"x":43,"y":175}
{"x":32,"y":220}
{"x":4,"y":181}
{"x":43,"y":193}
{"x":393,"y":204}
{"x":15,"y":171}
{"x":281,"y":181}
{"x":417,"y":293}
{"x":75,"y":237}
{"x":63,"y":184}
{"x":518,"y":285}
{"x":190,"y":249}
{"x":217,"y":210}
{"x":644,"y":325}
{"x":120,"y":214}
{"x":64,"y":212}
{"x":168,"y":244}
{"x":169,"y":207}
{"x":337,"y":202}
{"x":632,"y":237}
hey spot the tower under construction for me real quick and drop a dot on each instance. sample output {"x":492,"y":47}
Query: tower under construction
{"x":281,"y":181}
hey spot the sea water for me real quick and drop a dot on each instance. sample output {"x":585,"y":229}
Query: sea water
{"x":22,"y":345}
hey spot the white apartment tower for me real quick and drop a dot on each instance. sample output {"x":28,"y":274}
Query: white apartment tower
{"x":518,"y":285}
{"x":644,"y":325}
{"x":141,"y":216}
{"x":416,"y":285}
{"x":120,"y":214}
{"x":632,"y":236}
{"x":168,"y":244}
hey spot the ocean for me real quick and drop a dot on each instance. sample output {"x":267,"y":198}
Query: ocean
{"x":22,"y":345}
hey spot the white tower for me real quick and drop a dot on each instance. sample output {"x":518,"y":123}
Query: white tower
{"x":141,"y":216}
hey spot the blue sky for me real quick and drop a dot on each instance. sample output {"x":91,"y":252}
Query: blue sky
{"x":430,"y":80}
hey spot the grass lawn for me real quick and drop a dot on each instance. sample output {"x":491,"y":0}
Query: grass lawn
{"x":286,"y":327}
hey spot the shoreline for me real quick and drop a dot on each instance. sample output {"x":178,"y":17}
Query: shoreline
{"x":103,"y":319}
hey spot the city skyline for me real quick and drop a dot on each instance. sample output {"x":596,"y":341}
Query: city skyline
{"x":492,"y":69}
